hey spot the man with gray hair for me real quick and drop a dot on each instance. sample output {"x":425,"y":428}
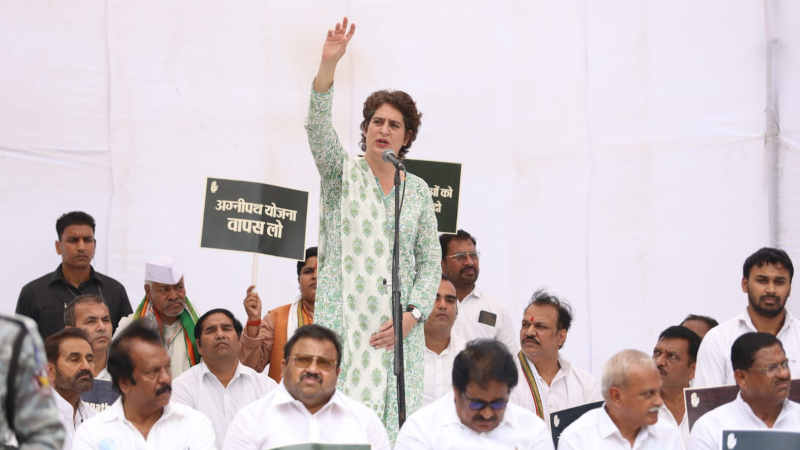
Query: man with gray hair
{"x":630,"y":387}
{"x":166,"y":307}
{"x":551,"y":382}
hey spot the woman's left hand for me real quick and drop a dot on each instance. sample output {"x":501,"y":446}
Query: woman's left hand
{"x":384,"y":337}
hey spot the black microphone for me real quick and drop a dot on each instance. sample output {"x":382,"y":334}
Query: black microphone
{"x":389,"y":156}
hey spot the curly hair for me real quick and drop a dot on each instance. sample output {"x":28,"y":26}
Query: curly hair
{"x":403,"y":103}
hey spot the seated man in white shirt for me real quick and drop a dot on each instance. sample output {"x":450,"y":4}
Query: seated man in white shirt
{"x":549,"y":383}
{"x":306,"y":407}
{"x":476,"y":414}
{"x":762,"y":373}
{"x":89,"y":313}
{"x":628,"y":418}
{"x":440,"y":348}
{"x":219,"y":386}
{"x":675,"y":354}
{"x":767,"y":281}
{"x":69,"y":362}
{"x":143,"y":417}
{"x":479,"y":316}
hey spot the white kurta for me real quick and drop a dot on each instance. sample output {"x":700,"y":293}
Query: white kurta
{"x":665,"y":417}
{"x":179,"y":427}
{"x":596,"y":431}
{"x":439,"y":372}
{"x":200,"y":389}
{"x":467,"y":327}
{"x":70,"y":418}
{"x":570,"y":387}
{"x":714,"y":356}
{"x":277,"y":420}
{"x":737,"y":415}
{"x":438,"y":427}
{"x":174,"y":341}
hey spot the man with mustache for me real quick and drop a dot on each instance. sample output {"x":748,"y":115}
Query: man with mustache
{"x":89,"y":313}
{"x":69,"y":363}
{"x":45,"y":298}
{"x":219,"y":386}
{"x":629,"y":417}
{"x":306,"y":408}
{"x":767,"y":281}
{"x":764,"y":379}
{"x":167,"y":308}
{"x":551,"y":383}
{"x":143,"y":416}
{"x":675,"y":354}
{"x":440,"y":347}
{"x":263,"y":339}
{"x":479,"y":316}
{"x":476,"y":414}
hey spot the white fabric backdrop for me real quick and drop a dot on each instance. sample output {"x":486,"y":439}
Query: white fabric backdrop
{"x":617,"y":152}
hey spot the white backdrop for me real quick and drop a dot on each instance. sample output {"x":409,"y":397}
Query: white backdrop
{"x":627,"y":154}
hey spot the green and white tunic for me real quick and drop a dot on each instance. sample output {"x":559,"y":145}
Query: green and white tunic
{"x":355,"y":261}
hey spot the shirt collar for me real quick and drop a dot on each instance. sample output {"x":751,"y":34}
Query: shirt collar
{"x":475,"y":293}
{"x":283,"y":397}
{"x":64,"y":407}
{"x":606,"y":427}
{"x":58,"y":275}
{"x":445,"y":351}
{"x":564,"y":368}
{"x":744,"y":319}
{"x":785,"y":409}
{"x":116,"y":412}
{"x":205,"y":371}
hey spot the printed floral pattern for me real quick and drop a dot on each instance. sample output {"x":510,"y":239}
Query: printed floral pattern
{"x":355,"y":260}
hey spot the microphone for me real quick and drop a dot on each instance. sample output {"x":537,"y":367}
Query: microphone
{"x":389,"y":156}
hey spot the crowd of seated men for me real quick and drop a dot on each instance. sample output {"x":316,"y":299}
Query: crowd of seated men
{"x":170,"y":378}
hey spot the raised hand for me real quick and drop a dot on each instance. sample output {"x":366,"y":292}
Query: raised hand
{"x":335,"y":45}
{"x":252,"y":304}
{"x":336,"y":42}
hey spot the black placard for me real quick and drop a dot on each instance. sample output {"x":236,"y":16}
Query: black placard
{"x":560,"y":420}
{"x":703,"y":399}
{"x":444,"y":179}
{"x":760,"y":440}
{"x":254,"y":217}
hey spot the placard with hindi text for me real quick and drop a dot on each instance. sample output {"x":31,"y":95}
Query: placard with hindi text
{"x":444,"y":180}
{"x":254,"y":217}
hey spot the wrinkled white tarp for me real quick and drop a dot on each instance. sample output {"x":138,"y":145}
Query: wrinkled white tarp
{"x":613,"y":151}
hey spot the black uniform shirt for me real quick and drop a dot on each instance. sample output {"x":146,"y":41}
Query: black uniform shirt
{"x":45,"y":298}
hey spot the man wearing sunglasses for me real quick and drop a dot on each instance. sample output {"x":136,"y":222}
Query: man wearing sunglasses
{"x":479,"y":316}
{"x":477,"y":414}
{"x":306,"y":408}
{"x":762,"y":373}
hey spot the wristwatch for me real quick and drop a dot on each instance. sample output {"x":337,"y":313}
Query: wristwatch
{"x":415,"y":312}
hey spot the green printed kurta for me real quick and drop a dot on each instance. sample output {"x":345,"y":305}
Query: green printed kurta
{"x":355,"y":261}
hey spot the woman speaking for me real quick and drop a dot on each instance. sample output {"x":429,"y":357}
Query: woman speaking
{"x":356,"y":238}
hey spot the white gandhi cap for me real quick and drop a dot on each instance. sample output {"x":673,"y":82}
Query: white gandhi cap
{"x":162,"y":270}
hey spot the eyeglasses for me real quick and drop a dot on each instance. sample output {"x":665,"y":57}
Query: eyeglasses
{"x":462,"y":256}
{"x":772,"y":369}
{"x":477,"y":405}
{"x":304,"y":362}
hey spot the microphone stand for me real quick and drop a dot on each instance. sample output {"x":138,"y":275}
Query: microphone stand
{"x":397,"y":307}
